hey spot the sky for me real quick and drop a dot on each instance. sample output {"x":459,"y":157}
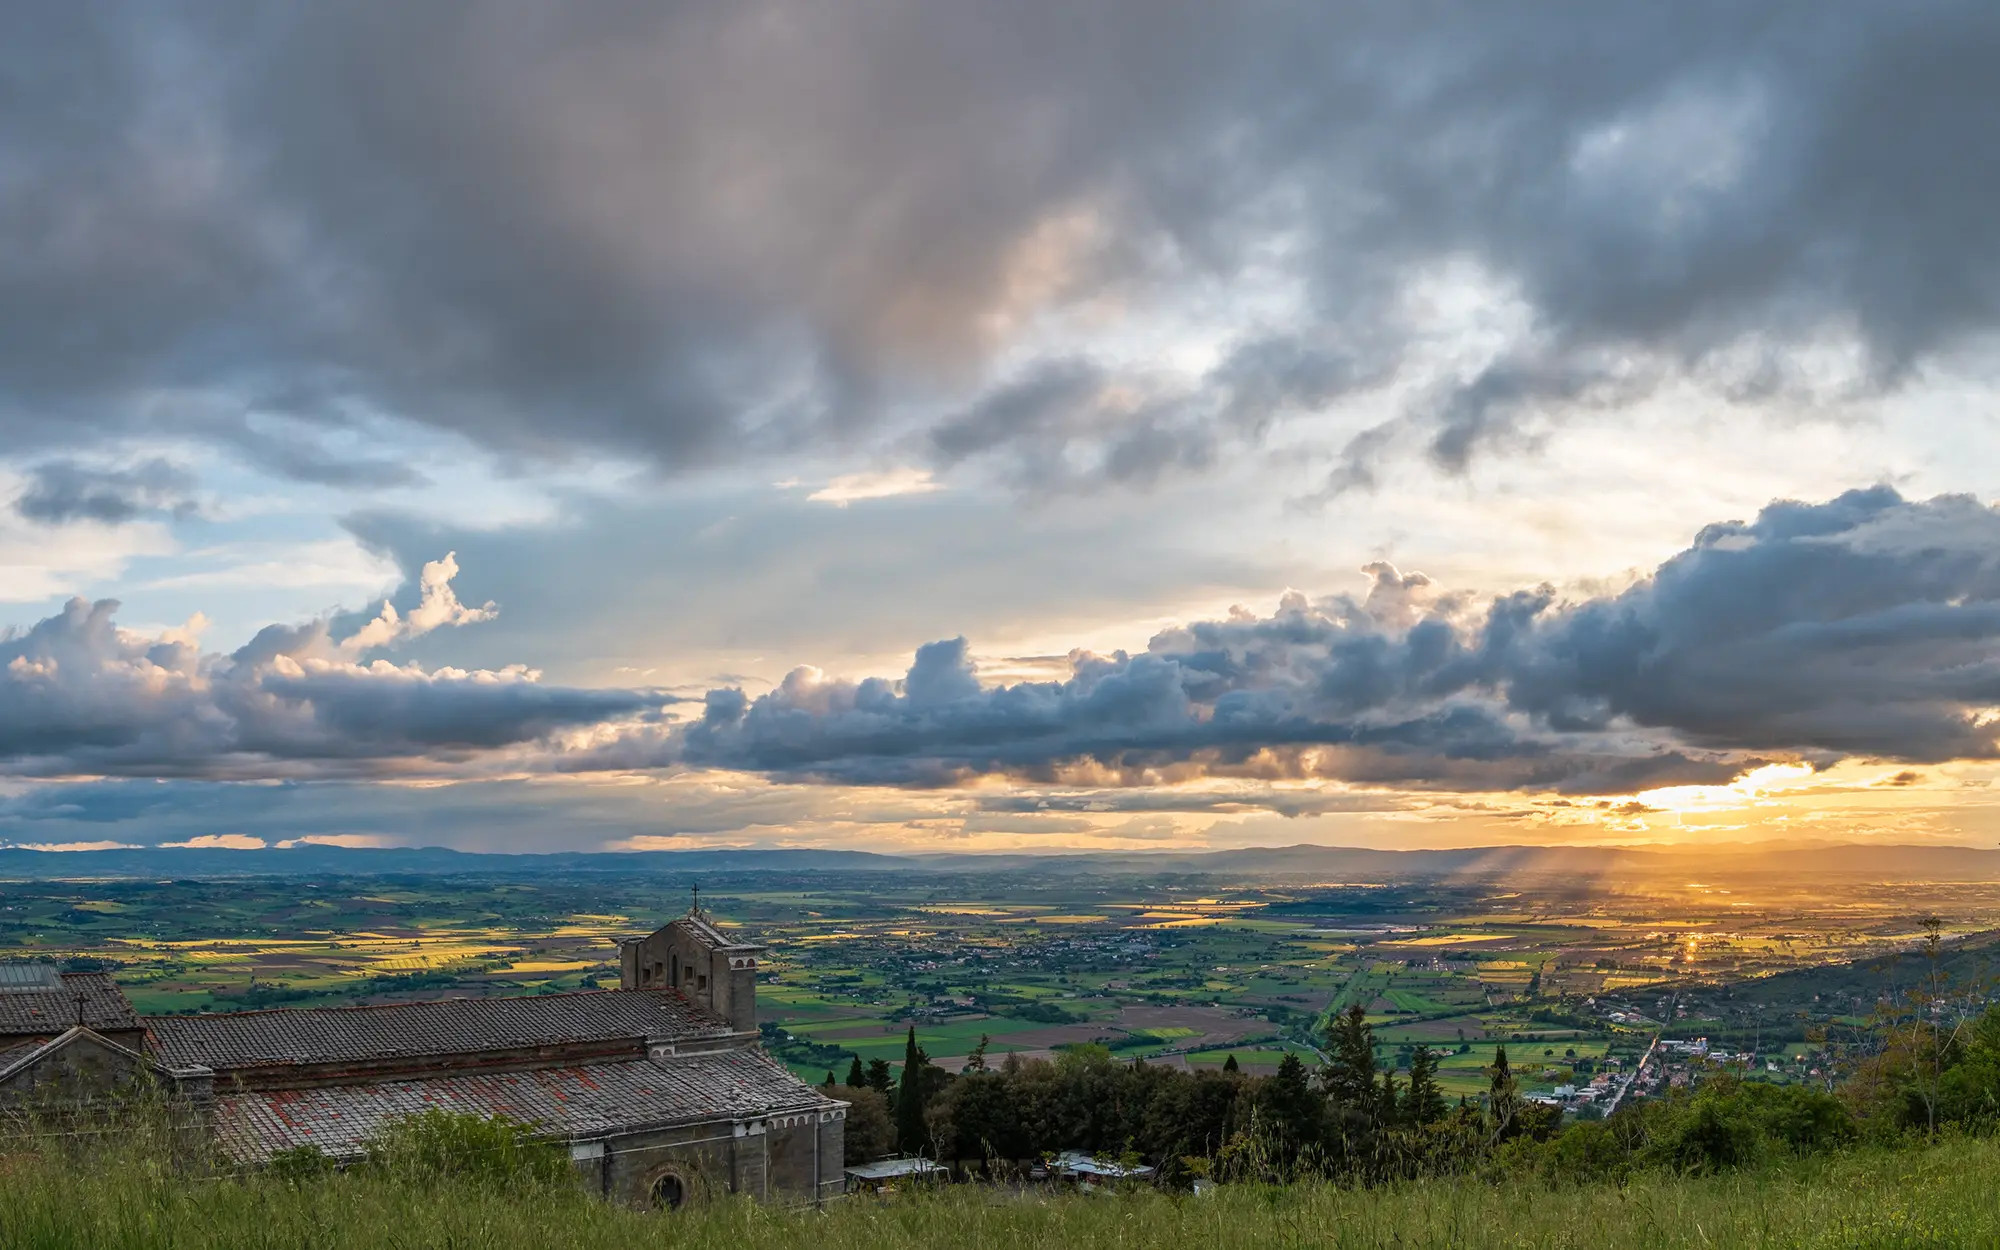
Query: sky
{"x":902,"y":425}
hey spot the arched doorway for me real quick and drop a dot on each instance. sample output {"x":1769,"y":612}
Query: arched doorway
{"x":669,"y":1192}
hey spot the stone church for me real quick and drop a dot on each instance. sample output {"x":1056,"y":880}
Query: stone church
{"x":659,"y":1088}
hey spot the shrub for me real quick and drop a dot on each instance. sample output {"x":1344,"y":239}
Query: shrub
{"x":437,"y":1145}
{"x":301,"y":1164}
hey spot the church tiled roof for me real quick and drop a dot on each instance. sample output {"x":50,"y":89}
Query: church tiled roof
{"x":446,"y":1026}
{"x":36,"y":1008}
{"x":579,"y":1101}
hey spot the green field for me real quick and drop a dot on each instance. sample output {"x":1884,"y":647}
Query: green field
{"x":1942,"y":1197}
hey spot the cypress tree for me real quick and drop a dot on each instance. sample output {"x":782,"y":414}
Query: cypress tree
{"x":878,"y":1076}
{"x":1230,"y":1065}
{"x":1424,"y":1102}
{"x":856,"y":1078}
{"x":910,"y":1096}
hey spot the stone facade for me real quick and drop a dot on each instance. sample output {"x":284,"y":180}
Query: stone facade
{"x":78,"y":1066}
{"x":701,"y":962}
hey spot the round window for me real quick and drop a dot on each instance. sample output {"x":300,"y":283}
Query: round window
{"x":669,"y":1193}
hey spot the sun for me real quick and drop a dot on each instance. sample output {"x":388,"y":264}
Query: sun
{"x":1754,"y":787}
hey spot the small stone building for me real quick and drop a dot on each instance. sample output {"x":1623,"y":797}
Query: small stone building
{"x":660,"y":1093}
{"x":66,"y":1038}
{"x":39,"y":1004}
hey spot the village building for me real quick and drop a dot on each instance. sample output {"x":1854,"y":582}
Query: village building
{"x":659,"y":1088}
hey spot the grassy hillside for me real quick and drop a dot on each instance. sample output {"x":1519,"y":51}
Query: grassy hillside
{"x":1938,"y":1197}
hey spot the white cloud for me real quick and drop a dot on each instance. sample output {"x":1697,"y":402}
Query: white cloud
{"x":340,"y":565}
{"x":221,"y":842}
{"x":439,"y":606}
{"x":854,"y":487}
{"x":80,"y":696}
{"x":336,"y":839}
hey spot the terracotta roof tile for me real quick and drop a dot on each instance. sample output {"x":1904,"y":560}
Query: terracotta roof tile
{"x":315,"y":1035}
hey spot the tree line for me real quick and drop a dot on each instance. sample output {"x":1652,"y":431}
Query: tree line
{"x":1348,"y":1118}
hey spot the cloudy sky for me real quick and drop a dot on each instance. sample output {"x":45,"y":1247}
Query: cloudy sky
{"x":976,"y":427}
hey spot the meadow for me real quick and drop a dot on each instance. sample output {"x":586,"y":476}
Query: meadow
{"x":1877,"y":1198}
{"x":1182,"y":970}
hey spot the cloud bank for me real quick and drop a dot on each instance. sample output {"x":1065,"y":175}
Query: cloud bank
{"x":1864,"y":626}
{"x":79,"y":696}
{"x":1867,"y":627}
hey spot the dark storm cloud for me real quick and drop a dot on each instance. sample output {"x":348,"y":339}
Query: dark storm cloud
{"x":702,"y":231}
{"x":1865,"y":626}
{"x":61,"y":491}
{"x":78,"y":695}
{"x":296,"y":454}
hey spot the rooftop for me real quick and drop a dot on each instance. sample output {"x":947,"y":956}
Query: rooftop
{"x":575,"y":1102}
{"x":444,"y":1026}
{"x":1079,"y":1163}
{"x":32,"y":1007}
{"x":890,"y":1169}
{"x":708,"y":932}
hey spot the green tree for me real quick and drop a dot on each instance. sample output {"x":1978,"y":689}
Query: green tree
{"x":869,"y":1134}
{"x":911,"y":1092}
{"x":1503,"y":1094}
{"x":1295,"y":1115}
{"x":1423,"y":1103}
{"x":879,"y":1076}
{"x":1230,"y":1065}
{"x":1386,"y":1103}
{"x":1349,"y":1077}
{"x":1970,"y":1089}
{"x":856,"y":1078}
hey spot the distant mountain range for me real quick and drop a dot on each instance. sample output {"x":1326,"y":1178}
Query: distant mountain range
{"x":1321,"y":863}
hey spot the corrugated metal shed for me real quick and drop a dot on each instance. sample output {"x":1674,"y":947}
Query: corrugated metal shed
{"x":321,"y":1035}
{"x":580,"y":1101}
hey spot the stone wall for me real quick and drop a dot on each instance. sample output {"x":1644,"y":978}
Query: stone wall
{"x":790,"y":1160}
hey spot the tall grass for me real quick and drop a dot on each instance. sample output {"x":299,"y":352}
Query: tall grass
{"x":1943,"y":1196}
